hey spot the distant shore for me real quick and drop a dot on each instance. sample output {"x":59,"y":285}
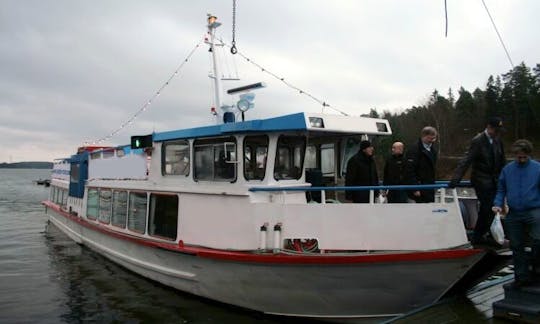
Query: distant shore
{"x":27,"y":165}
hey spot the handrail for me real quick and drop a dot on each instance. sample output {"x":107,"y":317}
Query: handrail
{"x":352,"y":188}
{"x":372,"y":189}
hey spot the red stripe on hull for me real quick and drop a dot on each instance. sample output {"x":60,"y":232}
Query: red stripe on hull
{"x":273,"y":258}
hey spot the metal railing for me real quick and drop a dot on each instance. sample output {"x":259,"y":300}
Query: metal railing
{"x":372,"y":189}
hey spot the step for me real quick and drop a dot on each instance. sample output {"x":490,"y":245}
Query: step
{"x":517,"y":310}
{"x":529,"y":293}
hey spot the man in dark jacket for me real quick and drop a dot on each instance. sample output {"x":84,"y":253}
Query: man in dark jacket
{"x":421,"y":162}
{"x":486,"y":155}
{"x":394,"y":174}
{"x":361,"y":171}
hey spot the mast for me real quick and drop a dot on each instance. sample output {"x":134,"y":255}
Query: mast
{"x":218,"y":88}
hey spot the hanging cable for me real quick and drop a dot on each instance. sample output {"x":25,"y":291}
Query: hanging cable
{"x":149,"y":102}
{"x":446,"y":19}
{"x":233,"y":47}
{"x":499,"y":35}
{"x":323,"y":103}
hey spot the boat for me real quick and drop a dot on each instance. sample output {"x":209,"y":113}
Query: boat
{"x":252,"y":213}
{"x":43,"y":182}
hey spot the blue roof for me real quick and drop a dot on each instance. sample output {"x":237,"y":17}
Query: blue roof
{"x":293,"y":122}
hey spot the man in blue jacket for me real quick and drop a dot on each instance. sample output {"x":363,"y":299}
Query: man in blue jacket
{"x":519,"y":183}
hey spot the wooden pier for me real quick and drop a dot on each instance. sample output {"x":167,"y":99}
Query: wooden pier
{"x":519,"y":304}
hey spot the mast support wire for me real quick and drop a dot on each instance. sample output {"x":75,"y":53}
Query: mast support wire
{"x":148,"y":102}
{"x":498,"y":34}
{"x":300,"y":91}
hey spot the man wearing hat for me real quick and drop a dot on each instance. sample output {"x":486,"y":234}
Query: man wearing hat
{"x":361,"y":171}
{"x":486,"y":155}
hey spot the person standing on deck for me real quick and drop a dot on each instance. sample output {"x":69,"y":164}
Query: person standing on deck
{"x":519,"y":183}
{"x":421,"y":163}
{"x":394,"y":173}
{"x":486,"y":155}
{"x":361,"y":171}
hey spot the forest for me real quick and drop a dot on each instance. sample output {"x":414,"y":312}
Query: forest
{"x":514,"y":96}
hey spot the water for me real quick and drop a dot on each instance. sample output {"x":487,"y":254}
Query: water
{"x":47,"y":278}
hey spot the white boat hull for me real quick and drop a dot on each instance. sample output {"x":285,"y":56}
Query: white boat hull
{"x":359,"y":286}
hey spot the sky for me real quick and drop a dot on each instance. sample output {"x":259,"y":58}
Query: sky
{"x":75,"y":71}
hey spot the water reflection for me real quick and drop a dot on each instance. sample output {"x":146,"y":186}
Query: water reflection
{"x":97,"y":290}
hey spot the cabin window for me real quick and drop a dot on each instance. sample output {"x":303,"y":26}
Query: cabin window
{"x":175,"y":158}
{"x":59,"y":195}
{"x":105,"y":205}
{"x":64,"y":199}
{"x":108,"y":154}
{"x":74,"y":173}
{"x":349,"y":150}
{"x":163,"y":220}
{"x":137,"y":211}
{"x":95,"y":155}
{"x":215,"y":159}
{"x":289,"y":157}
{"x":92,"y":204}
{"x":311,"y":157}
{"x":328,"y":161}
{"x":255,"y":155}
{"x":119,"y":209}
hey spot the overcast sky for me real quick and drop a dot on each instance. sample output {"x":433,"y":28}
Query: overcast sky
{"x":74,"y":71}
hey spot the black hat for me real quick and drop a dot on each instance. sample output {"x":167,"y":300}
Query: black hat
{"x":496,"y":122}
{"x":365,"y":145}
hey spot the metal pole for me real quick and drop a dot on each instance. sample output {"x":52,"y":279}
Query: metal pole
{"x":212,"y":25}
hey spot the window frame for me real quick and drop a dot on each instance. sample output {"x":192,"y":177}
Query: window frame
{"x":152,"y":215}
{"x":187,"y":171}
{"x":216,"y":143}
{"x":113,"y":213}
{"x":130,"y":212}
{"x":88,"y":215}
{"x":291,"y":156}
{"x":254,"y":155}
{"x":101,"y":208}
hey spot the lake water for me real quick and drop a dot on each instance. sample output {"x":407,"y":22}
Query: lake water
{"x":47,"y":278}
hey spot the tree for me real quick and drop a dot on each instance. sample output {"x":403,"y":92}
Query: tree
{"x":492,"y":97}
{"x":521,"y":85}
{"x":440,"y":110}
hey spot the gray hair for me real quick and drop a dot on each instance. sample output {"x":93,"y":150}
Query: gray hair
{"x":522,"y":146}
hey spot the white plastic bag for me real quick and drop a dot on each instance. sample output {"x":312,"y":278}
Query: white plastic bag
{"x":497,"y":230}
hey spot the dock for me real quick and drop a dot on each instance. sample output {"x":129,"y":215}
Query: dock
{"x":475,"y":306}
{"x":492,"y":301}
{"x":519,"y":304}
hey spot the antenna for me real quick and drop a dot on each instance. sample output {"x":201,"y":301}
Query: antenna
{"x":246,"y":88}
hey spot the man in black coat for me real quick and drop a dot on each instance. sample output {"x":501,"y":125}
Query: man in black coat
{"x":394,"y":174}
{"x":486,"y":155}
{"x":361,"y":171}
{"x":421,"y":163}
